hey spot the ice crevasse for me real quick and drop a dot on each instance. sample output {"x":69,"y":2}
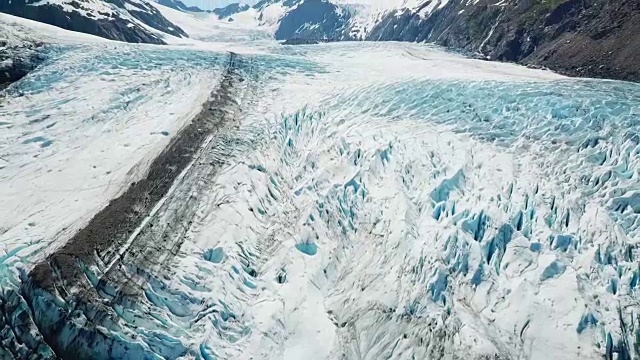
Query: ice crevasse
{"x":397,"y":215}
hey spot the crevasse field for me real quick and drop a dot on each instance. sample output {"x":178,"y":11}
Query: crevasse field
{"x":369,"y":201}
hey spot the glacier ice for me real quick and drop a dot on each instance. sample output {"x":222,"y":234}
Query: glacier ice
{"x":352,"y":213}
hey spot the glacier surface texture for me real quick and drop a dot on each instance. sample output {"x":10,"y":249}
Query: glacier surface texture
{"x":333,"y":201}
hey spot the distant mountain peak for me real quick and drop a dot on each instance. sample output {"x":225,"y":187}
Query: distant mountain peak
{"x":179,"y":5}
{"x":230,"y":9}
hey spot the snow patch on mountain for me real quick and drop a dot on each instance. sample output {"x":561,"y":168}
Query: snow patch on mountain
{"x":125,"y":20}
{"x":272,"y":13}
{"x":17,"y":30}
{"x":367,"y":13}
{"x":96,"y":9}
{"x":358,"y":17}
{"x":265,"y":14}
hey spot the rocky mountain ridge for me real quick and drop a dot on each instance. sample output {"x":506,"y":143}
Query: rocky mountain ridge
{"x":135,"y":21}
{"x":232,"y":9}
{"x":179,"y":5}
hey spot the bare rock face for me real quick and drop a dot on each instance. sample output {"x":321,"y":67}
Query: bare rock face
{"x":121,"y":20}
{"x":603,"y":40}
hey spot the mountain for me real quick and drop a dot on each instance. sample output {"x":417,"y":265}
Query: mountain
{"x":592,"y":38}
{"x":179,"y":5}
{"x":315,"y":20}
{"x":305,"y":20}
{"x":589,"y":38}
{"x":230,"y":10}
{"x":125,"y":20}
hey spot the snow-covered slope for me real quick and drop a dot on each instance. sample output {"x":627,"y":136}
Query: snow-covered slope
{"x":124,"y":20}
{"x":179,"y":5}
{"x":287,"y":18}
{"x":267,"y":13}
{"x":21,"y":42}
{"x":19,"y":30}
{"x":366,"y":14}
{"x":78,"y":130}
{"x":325,"y":19}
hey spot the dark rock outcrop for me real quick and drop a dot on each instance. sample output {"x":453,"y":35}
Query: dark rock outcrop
{"x":16,"y":61}
{"x":593,"y":38}
{"x":84,"y":19}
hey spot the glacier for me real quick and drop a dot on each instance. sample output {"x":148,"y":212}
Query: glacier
{"x":354,"y":201}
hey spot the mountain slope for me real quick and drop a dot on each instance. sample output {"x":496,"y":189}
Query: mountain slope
{"x":229,"y":10}
{"x":22,"y":49}
{"x":318,"y":20}
{"x":592,"y":38}
{"x":124,"y":20}
{"x":314,"y":19}
{"x":179,"y":5}
{"x":595,"y":38}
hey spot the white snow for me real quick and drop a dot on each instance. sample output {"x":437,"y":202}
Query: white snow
{"x":85,"y":126}
{"x":206,"y":28}
{"x":98,"y":9}
{"x":367,"y":13}
{"x":272,"y":13}
{"x":19,"y":30}
{"x":379,"y":61}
